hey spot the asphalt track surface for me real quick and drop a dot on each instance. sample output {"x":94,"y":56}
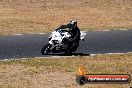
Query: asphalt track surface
{"x":97,"y":42}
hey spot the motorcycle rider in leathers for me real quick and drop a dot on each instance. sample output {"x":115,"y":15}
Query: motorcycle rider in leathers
{"x":74,"y":31}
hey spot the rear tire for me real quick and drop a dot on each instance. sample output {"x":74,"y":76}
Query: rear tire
{"x":75,"y":46}
{"x":68,"y":52}
{"x":72,"y":48}
{"x":46,"y":49}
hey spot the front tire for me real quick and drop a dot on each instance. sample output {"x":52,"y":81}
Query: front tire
{"x":46,"y":49}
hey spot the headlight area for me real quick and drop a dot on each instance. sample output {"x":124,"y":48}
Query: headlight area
{"x":55,"y":42}
{"x":50,"y":38}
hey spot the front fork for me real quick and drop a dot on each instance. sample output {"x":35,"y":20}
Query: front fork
{"x":52,"y":45}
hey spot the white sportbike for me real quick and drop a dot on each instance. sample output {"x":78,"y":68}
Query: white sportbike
{"x":57,"y":43}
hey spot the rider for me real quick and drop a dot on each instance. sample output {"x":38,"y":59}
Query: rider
{"x":74,"y":32}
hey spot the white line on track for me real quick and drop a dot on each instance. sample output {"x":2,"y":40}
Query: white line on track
{"x":41,"y":33}
{"x":66,"y":56}
{"x":124,"y":29}
{"x":30,"y":33}
{"x":120,"y":53}
{"x":106,"y":30}
{"x":111,"y":54}
{"x":82,"y":31}
{"x":18,"y":34}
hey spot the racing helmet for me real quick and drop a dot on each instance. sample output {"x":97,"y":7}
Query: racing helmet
{"x":73,"y":22}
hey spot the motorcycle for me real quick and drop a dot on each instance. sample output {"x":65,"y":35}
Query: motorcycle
{"x":57,"y":42}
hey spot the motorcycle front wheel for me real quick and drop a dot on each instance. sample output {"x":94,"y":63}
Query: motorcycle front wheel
{"x":46,"y":49}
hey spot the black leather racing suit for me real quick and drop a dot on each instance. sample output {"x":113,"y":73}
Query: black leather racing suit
{"x":73,"y":42}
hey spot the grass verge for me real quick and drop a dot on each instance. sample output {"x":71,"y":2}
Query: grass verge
{"x":61,"y":71}
{"x":34,"y":16}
